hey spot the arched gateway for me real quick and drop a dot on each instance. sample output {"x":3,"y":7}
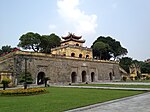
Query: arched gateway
{"x":84,"y":76}
{"x":110,"y":76}
{"x":92,"y":77}
{"x":40,"y":78}
{"x":73,"y":77}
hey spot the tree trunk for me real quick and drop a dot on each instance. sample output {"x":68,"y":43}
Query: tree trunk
{"x":100,"y":55}
{"x":4,"y":86}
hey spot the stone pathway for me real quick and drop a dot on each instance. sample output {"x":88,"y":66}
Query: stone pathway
{"x":138,"y":103}
{"x":114,"y":88}
{"x":126,"y":83}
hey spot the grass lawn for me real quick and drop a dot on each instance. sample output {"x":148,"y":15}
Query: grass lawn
{"x":60,"y":99}
{"x":116,"y":85}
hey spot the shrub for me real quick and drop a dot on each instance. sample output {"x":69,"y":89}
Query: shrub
{"x":124,"y":78}
{"x":29,"y":91}
{"x":136,"y":77}
{"x":5,"y":82}
{"x":147,"y":77}
{"x":45,"y":81}
{"x":131,"y":77}
{"x":28,"y":78}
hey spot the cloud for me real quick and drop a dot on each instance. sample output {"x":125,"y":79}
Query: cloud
{"x":78,"y":20}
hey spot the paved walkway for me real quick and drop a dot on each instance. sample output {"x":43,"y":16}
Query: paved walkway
{"x":126,"y":83}
{"x":138,"y":103}
{"x":114,"y":88}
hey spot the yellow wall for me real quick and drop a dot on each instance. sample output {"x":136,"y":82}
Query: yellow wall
{"x":72,"y":43}
{"x":4,"y":75}
{"x":67,"y":51}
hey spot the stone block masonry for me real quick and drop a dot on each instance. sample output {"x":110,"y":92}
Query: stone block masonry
{"x":60,"y":69}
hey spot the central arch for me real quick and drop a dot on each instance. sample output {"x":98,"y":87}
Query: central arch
{"x":40,"y":78}
{"x":73,"y":77}
{"x":92,"y":77}
{"x":84,"y":76}
{"x":72,"y":54}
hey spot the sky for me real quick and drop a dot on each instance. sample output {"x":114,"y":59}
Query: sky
{"x":127,"y":21}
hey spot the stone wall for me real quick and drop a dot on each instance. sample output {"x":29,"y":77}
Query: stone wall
{"x":62,"y":70}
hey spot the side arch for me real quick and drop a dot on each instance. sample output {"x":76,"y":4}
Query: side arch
{"x":84,"y":77}
{"x":110,"y":76}
{"x":92,"y":77}
{"x":73,"y":77}
{"x":40,"y":78}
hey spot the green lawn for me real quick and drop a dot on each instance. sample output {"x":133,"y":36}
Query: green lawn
{"x":60,"y":99}
{"x":116,"y":85}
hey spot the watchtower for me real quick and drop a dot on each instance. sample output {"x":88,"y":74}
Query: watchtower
{"x":72,"y":46}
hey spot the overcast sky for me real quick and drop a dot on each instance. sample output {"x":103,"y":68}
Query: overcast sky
{"x":127,"y":21}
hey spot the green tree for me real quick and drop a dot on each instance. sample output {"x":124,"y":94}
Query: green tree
{"x":45,"y":81}
{"x":100,"y":48}
{"x":45,"y":44}
{"x":29,"y":79}
{"x":39,"y":43}
{"x":118,"y":50}
{"x":30,"y":40}
{"x":115,"y":51}
{"x":125,"y":63}
{"x":5,"y":49}
{"x":145,"y":67}
{"x":54,"y":40}
{"x":48,"y":42}
{"x":5,"y":82}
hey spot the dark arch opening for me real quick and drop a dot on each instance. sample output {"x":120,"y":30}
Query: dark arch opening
{"x":87,"y":56}
{"x":72,"y":54}
{"x":40,"y":78}
{"x":80,"y":55}
{"x":92,"y":77}
{"x":110,"y":76}
{"x":73,"y":77}
{"x":77,"y":44}
{"x":83,"y":76}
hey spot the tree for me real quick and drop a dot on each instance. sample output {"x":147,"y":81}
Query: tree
{"x":118,"y":50}
{"x":54,"y":40}
{"x":39,"y":43}
{"x":30,"y":40}
{"x":5,"y":82}
{"x":115,"y":48}
{"x":45,"y":81}
{"x":145,"y":67}
{"x":125,"y":63}
{"x":5,"y":49}
{"x":100,"y":48}
{"x":48,"y":42}
{"x":29,"y":79}
{"x":45,"y":44}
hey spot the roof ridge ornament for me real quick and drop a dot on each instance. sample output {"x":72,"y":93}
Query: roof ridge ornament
{"x":71,"y":35}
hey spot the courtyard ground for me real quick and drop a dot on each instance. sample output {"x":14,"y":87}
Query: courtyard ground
{"x":59,"y":99}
